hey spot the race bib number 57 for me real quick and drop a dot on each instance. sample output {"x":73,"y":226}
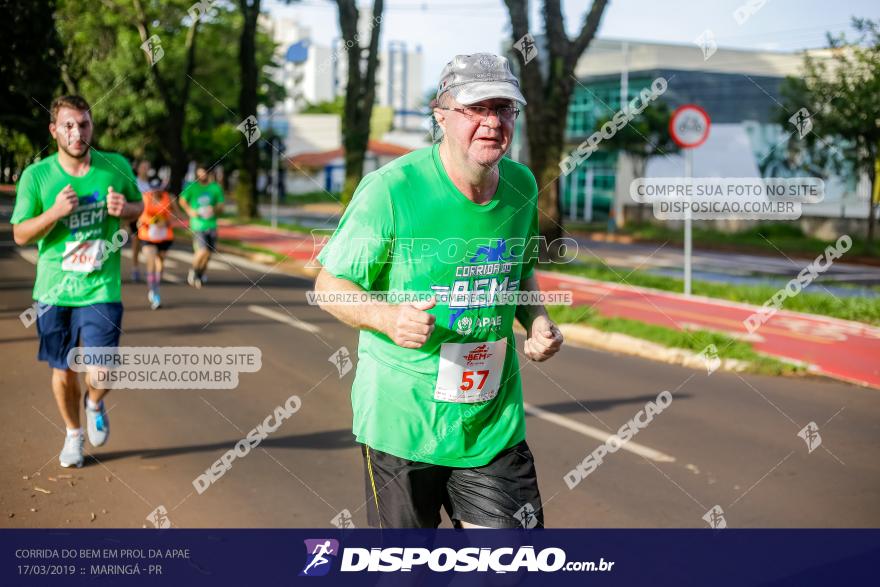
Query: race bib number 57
{"x":470,"y":373}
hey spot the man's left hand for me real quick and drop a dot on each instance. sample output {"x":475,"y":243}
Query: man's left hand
{"x":544,"y":340}
{"x":115,"y":203}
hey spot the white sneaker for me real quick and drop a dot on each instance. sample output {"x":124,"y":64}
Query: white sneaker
{"x":97,"y":423}
{"x":72,"y":453}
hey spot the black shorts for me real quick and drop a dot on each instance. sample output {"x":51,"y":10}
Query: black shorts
{"x":160,"y":246}
{"x":409,"y":494}
{"x":205,"y":239}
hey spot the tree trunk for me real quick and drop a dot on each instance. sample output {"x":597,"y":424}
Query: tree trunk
{"x":246,"y":190}
{"x":178,"y":161}
{"x":175,"y":102}
{"x":549,"y":97}
{"x":869,"y":241}
{"x":360,"y":90}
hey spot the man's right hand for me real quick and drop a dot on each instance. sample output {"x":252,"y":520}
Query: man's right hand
{"x":65,"y":202}
{"x":410,"y":325}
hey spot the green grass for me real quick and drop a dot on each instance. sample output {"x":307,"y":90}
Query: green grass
{"x":312,"y":198}
{"x":290,"y":226}
{"x":860,"y":309}
{"x":692,"y":340}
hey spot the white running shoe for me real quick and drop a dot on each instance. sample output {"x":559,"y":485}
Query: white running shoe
{"x":97,"y":423}
{"x":72,"y":453}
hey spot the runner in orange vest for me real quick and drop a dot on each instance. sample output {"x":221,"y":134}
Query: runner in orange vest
{"x":156,"y":235}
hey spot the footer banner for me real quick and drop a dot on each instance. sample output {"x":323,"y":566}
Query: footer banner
{"x":442,"y":557}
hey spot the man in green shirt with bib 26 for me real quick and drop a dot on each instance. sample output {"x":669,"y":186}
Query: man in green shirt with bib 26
{"x":70,"y":204}
{"x":437,"y":397}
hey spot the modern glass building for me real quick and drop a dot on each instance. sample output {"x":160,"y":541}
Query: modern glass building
{"x":739,"y":89}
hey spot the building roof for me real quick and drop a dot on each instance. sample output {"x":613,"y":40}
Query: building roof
{"x":606,"y":56}
{"x":322,"y":158}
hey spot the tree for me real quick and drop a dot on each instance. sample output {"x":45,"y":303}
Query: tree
{"x":548,"y":90}
{"x":643,"y":137}
{"x":106,"y":64}
{"x":211,"y":135}
{"x":172,"y":80}
{"x":360,"y":89}
{"x":840,"y":97}
{"x":175,"y":96}
{"x":246,"y":191}
{"x":28,"y":80}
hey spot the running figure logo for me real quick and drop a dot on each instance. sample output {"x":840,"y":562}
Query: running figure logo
{"x":526,"y":46}
{"x":715,"y":518}
{"x":810,"y":434}
{"x":153,"y":48}
{"x":491,"y":254}
{"x":343,"y":520}
{"x":250,"y":130}
{"x":341,"y":359}
{"x":802,"y":121}
{"x":318,"y":551}
{"x":526,"y":516}
{"x":159,"y":518}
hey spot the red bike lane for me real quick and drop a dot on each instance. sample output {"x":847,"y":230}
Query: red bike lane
{"x":837,"y":348}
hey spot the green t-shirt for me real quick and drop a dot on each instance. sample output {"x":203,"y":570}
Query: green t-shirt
{"x":380,"y":246}
{"x":202,"y":199}
{"x":69,"y":269}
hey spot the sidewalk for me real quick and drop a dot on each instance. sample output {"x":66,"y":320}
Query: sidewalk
{"x":837,"y":348}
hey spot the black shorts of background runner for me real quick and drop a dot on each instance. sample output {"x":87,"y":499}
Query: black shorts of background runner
{"x":409,"y":494}
{"x":160,"y":246}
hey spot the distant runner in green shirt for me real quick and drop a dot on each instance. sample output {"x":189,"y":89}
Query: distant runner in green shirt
{"x":70,"y":204}
{"x":437,"y":397}
{"x":202,"y":200}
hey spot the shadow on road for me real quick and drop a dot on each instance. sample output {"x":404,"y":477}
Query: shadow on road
{"x":327,"y":440}
{"x":599,"y":405}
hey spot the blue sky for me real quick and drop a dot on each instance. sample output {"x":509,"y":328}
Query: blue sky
{"x":444,"y":29}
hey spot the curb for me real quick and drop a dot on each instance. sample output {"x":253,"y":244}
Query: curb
{"x":615,"y":342}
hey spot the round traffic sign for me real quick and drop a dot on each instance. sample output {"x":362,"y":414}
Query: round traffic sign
{"x":689,"y":126}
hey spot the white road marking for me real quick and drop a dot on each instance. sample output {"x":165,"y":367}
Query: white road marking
{"x":601,"y":435}
{"x":168,"y":262}
{"x":214,"y":264}
{"x":284,"y":318}
{"x":171,"y":277}
{"x":248,"y":264}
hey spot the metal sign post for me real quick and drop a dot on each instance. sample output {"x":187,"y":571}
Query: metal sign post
{"x":273,"y":184}
{"x":688,"y":173}
{"x":689,"y":127}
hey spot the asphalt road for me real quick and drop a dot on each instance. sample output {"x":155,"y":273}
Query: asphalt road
{"x":725,"y":440}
